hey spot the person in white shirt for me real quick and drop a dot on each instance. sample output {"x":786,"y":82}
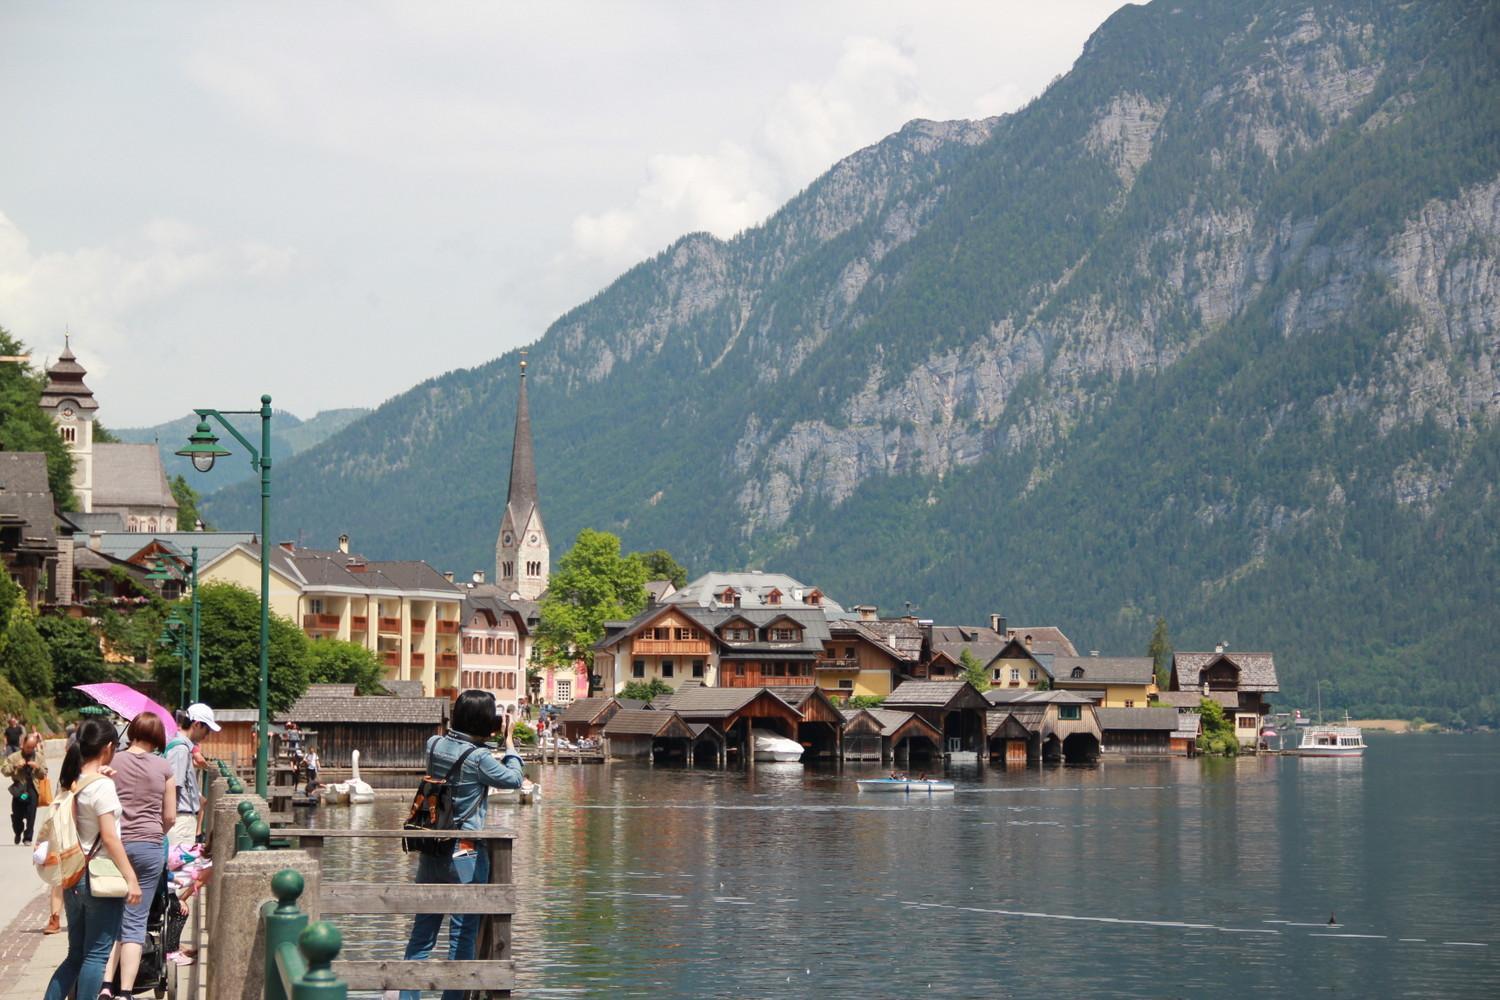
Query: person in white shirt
{"x":186,"y":760}
{"x":93,"y":922}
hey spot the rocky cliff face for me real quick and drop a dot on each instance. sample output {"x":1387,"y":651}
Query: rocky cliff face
{"x":1222,"y":299}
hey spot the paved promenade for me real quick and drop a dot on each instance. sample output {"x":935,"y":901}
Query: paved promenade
{"x":27,"y":956}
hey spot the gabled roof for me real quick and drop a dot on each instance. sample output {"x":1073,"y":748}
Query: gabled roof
{"x":130,"y":475}
{"x":1103,"y":669}
{"x":369,"y":709}
{"x":1026,"y":696}
{"x":586,"y":710}
{"x":897,"y":637}
{"x":713,"y":703}
{"x":1137,"y":719}
{"x":26,"y":499}
{"x":935,"y":694}
{"x":752,"y":586}
{"x":644,"y":722}
{"x":1045,"y":639}
{"x":811,"y":701}
{"x":1003,"y":724}
{"x":1257,"y":670}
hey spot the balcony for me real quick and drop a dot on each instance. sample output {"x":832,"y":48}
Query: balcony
{"x":389,"y":626}
{"x":391,"y":658}
{"x":359,"y":623}
{"x":320,"y":623}
{"x":447,"y":660}
{"x":838,"y":663}
{"x":447,"y":627}
{"x":418,"y":626}
{"x":418,"y":660}
{"x":445,"y":693}
{"x":669,"y":647}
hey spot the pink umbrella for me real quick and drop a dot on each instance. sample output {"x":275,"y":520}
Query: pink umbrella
{"x":127,"y":702}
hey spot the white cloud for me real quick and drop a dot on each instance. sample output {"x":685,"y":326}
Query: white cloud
{"x":871,"y":91}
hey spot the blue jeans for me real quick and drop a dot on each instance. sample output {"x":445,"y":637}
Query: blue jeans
{"x":93,"y":926}
{"x":468,"y":868}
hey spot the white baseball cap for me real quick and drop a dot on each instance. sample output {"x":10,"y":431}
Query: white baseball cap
{"x":199,"y":712}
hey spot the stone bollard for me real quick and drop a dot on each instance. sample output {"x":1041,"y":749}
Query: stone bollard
{"x":236,"y":959}
{"x":221,"y":826}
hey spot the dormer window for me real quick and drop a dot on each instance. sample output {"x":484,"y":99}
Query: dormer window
{"x":773,"y":596}
{"x":814,"y":597}
{"x":1078,"y":673}
{"x":785,"y":634}
{"x":737,"y":633}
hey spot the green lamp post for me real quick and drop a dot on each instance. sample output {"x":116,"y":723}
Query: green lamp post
{"x":180,"y":569}
{"x":203,"y":450}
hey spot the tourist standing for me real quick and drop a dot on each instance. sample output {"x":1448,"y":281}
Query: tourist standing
{"x":14,"y":732}
{"x":312,"y":763}
{"x":474,"y":721}
{"x":148,"y":795}
{"x":183,"y":756}
{"x":25,"y":768}
{"x":93,"y":922}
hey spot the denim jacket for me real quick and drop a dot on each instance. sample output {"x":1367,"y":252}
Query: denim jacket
{"x":480,"y":771}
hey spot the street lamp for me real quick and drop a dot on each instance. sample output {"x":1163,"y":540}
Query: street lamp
{"x":162,"y":570}
{"x":203,"y":449}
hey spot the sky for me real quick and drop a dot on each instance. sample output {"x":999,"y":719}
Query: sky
{"x":331,"y":202}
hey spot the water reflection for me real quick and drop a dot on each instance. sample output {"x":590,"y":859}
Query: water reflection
{"x":1158,"y":878}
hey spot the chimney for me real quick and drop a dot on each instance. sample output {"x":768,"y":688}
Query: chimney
{"x":289,"y":546}
{"x":344,"y":544}
{"x":997,"y":624}
{"x":448,"y":575}
{"x":867,"y":612}
{"x":1028,"y":641}
{"x":1219,"y":648}
{"x":479,"y":576}
{"x":96,"y":540}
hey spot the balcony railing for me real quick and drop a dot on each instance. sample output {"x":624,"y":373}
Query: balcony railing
{"x":670,"y":647}
{"x":320,"y":623}
{"x":447,"y":659}
{"x":447,"y":626}
{"x":359,"y":623}
{"x":418,"y":626}
{"x":391,"y":659}
{"x":418,"y":659}
{"x":390,"y":625}
{"x":446,"y":692}
{"x":838,"y":663}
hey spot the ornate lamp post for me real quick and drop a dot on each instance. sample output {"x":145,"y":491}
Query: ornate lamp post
{"x":186,"y":570}
{"x":203,"y":449}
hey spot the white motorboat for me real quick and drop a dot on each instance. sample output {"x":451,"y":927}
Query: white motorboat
{"x":919,"y":786}
{"x":769,"y":746}
{"x":1331,"y":741}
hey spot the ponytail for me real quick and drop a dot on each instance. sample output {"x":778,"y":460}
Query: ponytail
{"x":93,"y":738}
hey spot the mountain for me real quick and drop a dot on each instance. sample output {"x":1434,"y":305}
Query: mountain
{"x":289,"y":435}
{"x":1208,"y":330}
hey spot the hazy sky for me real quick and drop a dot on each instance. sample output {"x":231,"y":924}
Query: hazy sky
{"x":330,"y":202}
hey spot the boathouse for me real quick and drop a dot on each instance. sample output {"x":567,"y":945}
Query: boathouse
{"x":587,"y":717}
{"x":1060,"y":725}
{"x":955,"y":708}
{"x":1136,"y":732}
{"x":735,"y":711}
{"x":648,"y":734}
{"x":881,"y":734}
{"x":821,"y":729}
{"x":388,"y":732}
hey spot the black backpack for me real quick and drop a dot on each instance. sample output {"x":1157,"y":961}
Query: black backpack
{"x":432,"y":809}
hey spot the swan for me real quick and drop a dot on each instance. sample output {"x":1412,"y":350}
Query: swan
{"x":359,"y":791}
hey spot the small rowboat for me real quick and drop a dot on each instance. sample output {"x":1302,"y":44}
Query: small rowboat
{"x":919,"y":786}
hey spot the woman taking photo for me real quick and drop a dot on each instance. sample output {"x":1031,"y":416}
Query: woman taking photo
{"x":148,"y":794}
{"x":474,"y":721}
{"x":93,"y":923}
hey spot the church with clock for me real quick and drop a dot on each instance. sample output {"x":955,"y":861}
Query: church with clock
{"x":522,"y":555}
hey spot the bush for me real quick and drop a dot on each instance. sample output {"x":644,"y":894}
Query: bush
{"x":28,"y":665}
{"x":524,"y":734}
{"x":865,"y":701}
{"x":645,"y":690}
{"x":1217,"y":736}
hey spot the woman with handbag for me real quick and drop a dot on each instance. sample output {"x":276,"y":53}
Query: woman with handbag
{"x":148,"y":793}
{"x":95,"y":903}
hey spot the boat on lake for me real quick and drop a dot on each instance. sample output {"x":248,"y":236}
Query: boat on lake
{"x":1331,"y":741}
{"x":919,"y":786}
{"x":769,"y":746}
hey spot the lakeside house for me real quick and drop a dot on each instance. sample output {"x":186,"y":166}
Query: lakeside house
{"x":865,"y":656}
{"x":955,"y":709}
{"x":494,"y":646}
{"x":1238,"y":681}
{"x":820,"y":728}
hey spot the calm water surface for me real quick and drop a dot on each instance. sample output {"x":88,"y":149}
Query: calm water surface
{"x":1171,"y":878}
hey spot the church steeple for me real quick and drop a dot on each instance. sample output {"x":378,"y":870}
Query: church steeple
{"x":522,"y":556}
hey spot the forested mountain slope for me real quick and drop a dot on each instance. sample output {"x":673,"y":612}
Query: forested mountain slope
{"x":1208,"y":330}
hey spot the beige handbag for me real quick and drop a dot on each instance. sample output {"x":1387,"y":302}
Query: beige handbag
{"x":105,"y":880}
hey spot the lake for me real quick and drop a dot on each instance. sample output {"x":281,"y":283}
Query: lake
{"x":1169,"y":878}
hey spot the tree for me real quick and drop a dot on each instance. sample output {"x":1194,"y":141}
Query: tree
{"x":971,"y":670}
{"x":76,"y":658}
{"x":645,"y":690}
{"x":1218,"y":731}
{"x":230,"y":658}
{"x":1160,"y":652}
{"x":27,"y":664}
{"x":593,"y":584}
{"x":188,"y":500}
{"x":660,"y":565}
{"x":865,"y":701}
{"x":333,"y":661}
{"x":25,"y":427}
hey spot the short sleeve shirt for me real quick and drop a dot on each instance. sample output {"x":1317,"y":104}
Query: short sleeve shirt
{"x":98,"y":803}
{"x":141,"y":780}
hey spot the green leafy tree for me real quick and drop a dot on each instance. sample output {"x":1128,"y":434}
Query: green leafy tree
{"x":27,"y":664}
{"x":10,"y":597}
{"x":73,"y":647}
{"x":188,"y":501}
{"x":230,"y":658}
{"x":645,"y":690}
{"x":333,"y":661}
{"x":971,"y":670}
{"x":660,"y":565}
{"x":866,"y":701}
{"x":23,"y":425}
{"x":1160,"y":651}
{"x":1217,"y":736}
{"x":592,"y":584}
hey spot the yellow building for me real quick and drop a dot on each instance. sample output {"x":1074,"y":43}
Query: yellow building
{"x":867,"y":656}
{"x":404,"y":611}
{"x":1113,"y":681}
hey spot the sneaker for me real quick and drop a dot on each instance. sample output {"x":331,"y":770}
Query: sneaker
{"x":178,"y":958}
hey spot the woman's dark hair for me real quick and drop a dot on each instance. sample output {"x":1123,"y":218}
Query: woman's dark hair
{"x":148,"y":728}
{"x":94,"y":737}
{"x":474,"y":714}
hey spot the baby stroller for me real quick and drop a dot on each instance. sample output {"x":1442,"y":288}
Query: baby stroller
{"x":163,"y":936}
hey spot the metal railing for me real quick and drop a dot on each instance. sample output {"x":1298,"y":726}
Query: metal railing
{"x":299,"y":955}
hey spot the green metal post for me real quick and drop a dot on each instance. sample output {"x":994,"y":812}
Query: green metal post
{"x":284,"y":922}
{"x":197,"y":636}
{"x":263,"y":746}
{"x":320,"y":943}
{"x":242,"y":828}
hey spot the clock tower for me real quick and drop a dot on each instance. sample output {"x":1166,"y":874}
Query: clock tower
{"x":71,"y":406}
{"x":522,"y":556}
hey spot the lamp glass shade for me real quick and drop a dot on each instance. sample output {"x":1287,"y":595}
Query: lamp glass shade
{"x":202,"y":447}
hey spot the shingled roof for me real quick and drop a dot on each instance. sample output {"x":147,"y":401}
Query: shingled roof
{"x":1137,"y":718}
{"x":398,"y":711}
{"x":1257,"y":670}
{"x":130,"y":475}
{"x":900,"y":637}
{"x":714,"y":703}
{"x":645,"y":722}
{"x":1103,"y":669}
{"x":935,"y":694}
{"x":585,"y":710}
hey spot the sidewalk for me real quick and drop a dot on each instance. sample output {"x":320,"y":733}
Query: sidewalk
{"x":27,"y":956}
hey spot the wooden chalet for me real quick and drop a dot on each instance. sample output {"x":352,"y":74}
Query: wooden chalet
{"x":735,"y":711}
{"x":955,"y":708}
{"x":388,"y":732}
{"x":770,"y":648}
{"x":648,"y":734}
{"x":1059,"y":725}
{"x":821,"y":730}
{"x":587,"y":717}
{"x":1238,"y":681}
{"x":1136,"y":732}
{"x":883,"y":735}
